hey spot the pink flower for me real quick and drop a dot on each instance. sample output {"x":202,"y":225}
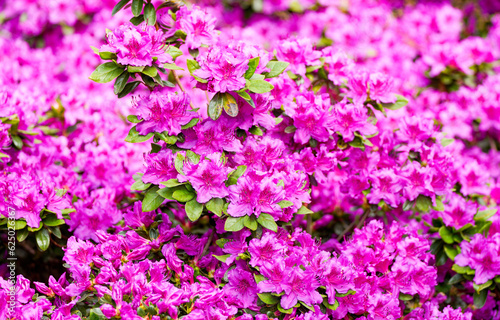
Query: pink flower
{"x":349,"y":118}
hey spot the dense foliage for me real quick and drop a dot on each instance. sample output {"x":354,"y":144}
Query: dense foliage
{"x":256,"y":159}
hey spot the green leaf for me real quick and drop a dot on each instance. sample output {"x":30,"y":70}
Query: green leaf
{"x":230,"y":105}
{"x":121,"y":82}
{"x":481,"y":287}
{"x":277,"y":68}
{"x":247,"y":98}
{"x":304,"y":210}
{"x":485,"y":214}
{"x":400,"y":102}
{"x":134,"y":69}
{"x":18,"y":142}
{"x":193,"y":209}
{"x":140,"y":186}
{"x":467,"y":226}
{"x":330,"y":306}
{"x":450,"y":251}
{"x":179,"y":163}
{"x":137,"y":7}
{"x":445,"y":142}
{"x":456,"y":279}
{"x":193,"y":157}
{"x":174,"y":52}
{"x":171,"y":66}
{"x":56,"y":231}
{"x":215,"y":205}
{"x":150,"y":71}
{"x":52,"y":221}
{"x":133,"y":119}
{"x":134,"y":136}
{"x":252,"y":66}
{"x":183,"y":195}
{"x":348,"y":293}
{"x":215,"y":106}
{"x":192,"y":65}
{"x":129,"y":87}
{"x":256,"y":131}
{"x":119,"y":6}
{"x":222,"y":258}
{"x":462,"y":270}
{"x":234,"y":224}
{"x":446,"y":235}
{"x":137,"y":20}
{"x":357,"y":143}
{"x":250,"y":223}
{"x":21,"y":235}
{"x":43,"y":239}
{"x":190,"y":124}
{"x":260,"y":86}
{"x":285,"y":203}
{"x":268,"y":298}
{"x":172,"y":183}
{"x":152,"y":200}
{"x":423,"y":203}
{"x":267,"y":221}
{"x":107,"y":55}
{"x":405,"y":297}
{"x":235,"y":175}
{"x":287,"y":311}
{"x":439,"y":205}
{"x":480,"y":298}
{"x":150,"y":14}
{"x":106,"y":72}
{"x":19,"y":224}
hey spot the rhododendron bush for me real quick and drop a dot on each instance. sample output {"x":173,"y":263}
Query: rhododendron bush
{"x":257,"y":159}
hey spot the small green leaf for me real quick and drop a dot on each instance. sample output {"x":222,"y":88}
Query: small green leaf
{"x":400,"y":102}
{"x":456,"y":279}
{"x":230,"y":105}
{"x":235,"y":175}
{"x":174,"y":52}
{"x":348,"y":293}
{"x":179,"y":163}
{"x":277,"y":68}
{"x":250,"y":223}
{"x":134,"y":69}
{"x":134,"y":136}
{"x":268,"y":298}
{"x":133,"y":119}
{"x":137,"y":20}
{"x":21,"y":235}
{"x":215,"y":205}
{"x":330,"y":306}
{"x":183,"y":195}
{"x":171,"y":66}
{"x":222,"y":258}
{"x":140,"y":186}
{"x":287,"y":311}
{"x":304,"y":210}
{"x":192,"y":157}
{"x":480,"y":298}
{"x":172,"y":183}
{"x":462,"y":270}
{"x":52,"y":221}
{"x":267,"y":221}
{"x":129,"y":87}
{"x":150,"y":14}
{"x":107,"y":55}
{"x":252,"y":66}
{"x":119,"y":6}
{"x":150,"y":71}
{"x":446,"y":235}
{"x":285,"y":203}
{"x":481,"y":287}
{"x":152,"y":200}
{"x":256,"y":131}
{"x":439,"y":205}
{"x":192,"y":65}
{"x":247,"y":98}
{"x":121,"y":82}
{"x":215,"y":106}
{"x":485,"y":214}
{"x":43,"y":239}
{"x":137,"y":7}
{"x":193,"y":209}
{"x":450,"y":251}
{"x":405,"y":297}
{"x":445,"y":142}
{"x":106,"y":72}
{"x":234,"y":224}
{"x":260,"y":86}
{"x":190,"y":124}
{"x":19,"y":224}
{"x":423,"y":203}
